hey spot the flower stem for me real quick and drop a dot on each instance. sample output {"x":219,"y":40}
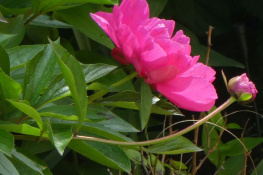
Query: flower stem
{"x":166,"y":138}
{"x":101,"y":93}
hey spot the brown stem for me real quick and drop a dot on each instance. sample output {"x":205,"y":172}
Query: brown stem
{"x":209,"y":44}
{"x":210,"y":151}
{"x":196,"y":132}
{"x":23,"y":118}
{"x":159,"y":140}
{"x":246,"y":154}
{"x":32,"y":18}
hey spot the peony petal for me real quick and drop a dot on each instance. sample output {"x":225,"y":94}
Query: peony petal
{"x":181,"y":38}
{"x":159,"y":28}
{"x":129,"y":45}
{"x":200,"y":70}
{"x":104,"y":20}
{"x":161,"y":74}
{"x":191,"y":93}
{"x":173,"y":47}
{"x":136,"y":12}
{"x":169,"y":24}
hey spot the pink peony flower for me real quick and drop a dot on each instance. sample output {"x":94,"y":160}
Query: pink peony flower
{"x":163,"y":60}
{"x":240,"y":85}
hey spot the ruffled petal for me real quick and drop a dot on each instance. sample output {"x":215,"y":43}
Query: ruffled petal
{"x":105,"y":21}
{"x":200,"y":70}
{"x":181,"y":38}
{"x":129,"y":45}
{"x":160,"y":28}
{"x":161,"y":74}
{"x":191,"y":93}
{"x":136,"y":12}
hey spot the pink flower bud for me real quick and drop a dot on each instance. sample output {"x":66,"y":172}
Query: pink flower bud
{"x":242,"y":89}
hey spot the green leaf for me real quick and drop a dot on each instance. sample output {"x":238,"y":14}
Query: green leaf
{"x":10,"y":88}
{"x":6,"y":142}
{"x":60,"y":135}
{"x":4,"y":38}
{"x":4,"y":61}
{"x":259,"y":169}
{"x":49,"y":5}
{"x":145,"y":104}
{"x":2,"y":19}
{"x":234,"y":147}
{"x":233,"y":126}
{"x":28,"y":110}
{"x":233,"y":165}
{"x":6,"y":166}
{"x":179,"y":165}
{"x":21,"y":54}
{"x":210,"y":134}
{"x":217,"y":119}
{"x":96,"y":71}
{"x":94,"y":113}
{"x":111,"y":120}
{"x":14,"y":26}
{"x":59,"y":116}
{"x":177,"y":145}
{"x":103,"y":131}
{"x":21,"y":128}
{"x":38,"y":73}
{"x":109,"y":2}
{"x":105,"y":154}
{"x":14,"y":5}
{"x":151,"y":161}
{"x":37,"y":147}
{"x":48,"y":21}
{"x":216,"y":59}
{"x":28,"y":160}
{"x":79,"y":17}
{"x":129,"y":100}
{"x":105,"y":128}
{"x":135,"y":156}
{"x":56,"y":90}
{"x":156,"y":7}
{"x":74,"y":77}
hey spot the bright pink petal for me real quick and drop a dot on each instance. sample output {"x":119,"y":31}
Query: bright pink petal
{"x":136,"y":12}
{"x":173,"y":47}
{"x":200,"y":70}
{"x":159,"y":67}
{"x":159,"y":28}
{"x":161,"y":74}
{"x":169,"y":25}
{"x":191,"y":93}
{"x":104,"y":20}
{"x":181,"y":38}
{"x":129,"y":45}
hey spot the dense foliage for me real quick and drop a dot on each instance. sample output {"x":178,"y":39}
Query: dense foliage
{"x":67,"y":107}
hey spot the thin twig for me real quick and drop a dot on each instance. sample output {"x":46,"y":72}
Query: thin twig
{"x":209,"y":44}
{"x":23,"y":118}
{"x":210,"y":151}
{"x":155,"y":164}
{"x":143,"y":165}
{"x":196,"y":133}
{"x":32,"y":18}
{"x":245,"y":152}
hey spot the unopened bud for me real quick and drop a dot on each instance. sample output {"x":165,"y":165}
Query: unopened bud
{"x":242,"y":89}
